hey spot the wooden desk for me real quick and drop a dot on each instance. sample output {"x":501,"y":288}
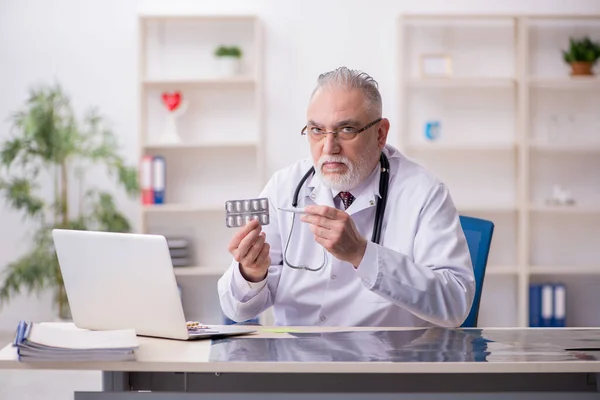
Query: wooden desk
{"x":375,"y":363}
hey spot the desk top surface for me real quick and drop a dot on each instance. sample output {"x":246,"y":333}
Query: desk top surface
{"x":359,"y":350}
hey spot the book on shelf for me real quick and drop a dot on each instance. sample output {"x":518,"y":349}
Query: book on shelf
{"x":547,"y":305}
{"x":66,"y":342}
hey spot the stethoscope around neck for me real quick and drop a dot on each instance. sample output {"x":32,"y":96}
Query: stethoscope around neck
{"x":377,"y":225}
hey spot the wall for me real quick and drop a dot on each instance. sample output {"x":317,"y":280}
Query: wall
{"x":90,"y":48}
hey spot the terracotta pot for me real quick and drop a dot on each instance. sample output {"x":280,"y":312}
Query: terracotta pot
{"x":581,"y":68}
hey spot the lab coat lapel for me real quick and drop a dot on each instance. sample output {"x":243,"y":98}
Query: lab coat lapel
{"x":322,"y":195}
{"x":367,"y":194}
{"x":365,"y":200}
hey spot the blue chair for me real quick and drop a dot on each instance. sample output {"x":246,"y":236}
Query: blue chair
{"x":479,"y":238}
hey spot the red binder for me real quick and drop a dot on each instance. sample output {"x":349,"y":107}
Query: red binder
{"x":146,"y":180}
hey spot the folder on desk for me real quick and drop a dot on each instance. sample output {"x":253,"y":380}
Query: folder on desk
{"x":65,"y":342}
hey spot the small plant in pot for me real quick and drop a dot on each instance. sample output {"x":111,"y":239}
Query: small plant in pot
{"x":229,"y":58}
{"x":582,"y":55}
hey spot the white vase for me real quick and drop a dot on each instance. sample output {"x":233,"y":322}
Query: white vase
{"x":170,"y":133}
{"x":229,"y":66}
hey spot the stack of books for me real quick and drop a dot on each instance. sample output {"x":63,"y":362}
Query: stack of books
{"x":65,"y":342}
{"x":179,"y":249}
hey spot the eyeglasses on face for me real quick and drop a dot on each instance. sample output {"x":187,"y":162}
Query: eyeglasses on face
{"x":347,"y":132}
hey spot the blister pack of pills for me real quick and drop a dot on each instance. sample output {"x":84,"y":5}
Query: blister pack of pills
{"x":240,"y":212}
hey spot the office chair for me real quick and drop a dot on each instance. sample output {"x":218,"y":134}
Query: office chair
{"x":479,"y":238}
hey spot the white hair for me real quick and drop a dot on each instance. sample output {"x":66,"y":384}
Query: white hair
{"x":349,"y":79}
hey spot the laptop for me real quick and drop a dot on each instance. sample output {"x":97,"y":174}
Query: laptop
{"x":126,"y":281}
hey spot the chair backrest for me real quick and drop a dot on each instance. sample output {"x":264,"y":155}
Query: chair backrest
{"x":479,"y":238}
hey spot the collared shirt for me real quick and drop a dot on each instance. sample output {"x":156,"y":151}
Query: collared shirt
{"x":419,"y":275}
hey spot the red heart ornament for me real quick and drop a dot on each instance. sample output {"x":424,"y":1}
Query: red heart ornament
{"x":171,"y":100}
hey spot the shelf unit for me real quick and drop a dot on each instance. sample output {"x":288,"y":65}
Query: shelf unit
{"x":513,"y":124}
{"x":221,"y":152}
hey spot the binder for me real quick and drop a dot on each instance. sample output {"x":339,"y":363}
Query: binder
{"x":547,"y":305}
{"x":146,"y":180}
{"x":559,"y":316}
{"x":158,"y":179}
{"x":535,"y":305}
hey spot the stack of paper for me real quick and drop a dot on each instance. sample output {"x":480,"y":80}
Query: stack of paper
{"x":47,"y":342}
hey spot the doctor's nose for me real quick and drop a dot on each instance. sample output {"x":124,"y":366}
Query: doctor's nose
{"x":331,"y":144}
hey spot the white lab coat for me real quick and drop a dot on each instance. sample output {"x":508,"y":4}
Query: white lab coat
{"x":420,"y":275}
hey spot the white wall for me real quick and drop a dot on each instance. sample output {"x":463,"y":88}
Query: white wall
{"x":90,"y":47}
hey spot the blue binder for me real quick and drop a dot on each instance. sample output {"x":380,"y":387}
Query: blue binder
{"x":535,"y":305}
{"x":547,"y":305}
{"x":559,"y":306}
{"x":159,"y":177}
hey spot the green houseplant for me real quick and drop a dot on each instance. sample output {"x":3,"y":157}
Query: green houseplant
{"x":231,"y":51}
{"x":581,"y":55}
{"x":48,"y":147}
{"x":229,"y":59}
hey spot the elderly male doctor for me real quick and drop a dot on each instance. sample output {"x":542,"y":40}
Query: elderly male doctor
{"x":329,"y":271}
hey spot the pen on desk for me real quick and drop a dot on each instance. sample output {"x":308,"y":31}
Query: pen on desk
{"x":294,"y":210}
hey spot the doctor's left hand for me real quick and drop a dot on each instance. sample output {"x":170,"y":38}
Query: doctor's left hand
{"x":336,"y":232}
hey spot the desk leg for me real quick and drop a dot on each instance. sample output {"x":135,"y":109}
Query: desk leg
{"x":115,"y":381}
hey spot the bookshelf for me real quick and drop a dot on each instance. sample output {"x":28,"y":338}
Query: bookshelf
{"x":220,"y":154}
{"x":514,"y":123}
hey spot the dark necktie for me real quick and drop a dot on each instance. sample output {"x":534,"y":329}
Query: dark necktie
{"x":347,"y":199}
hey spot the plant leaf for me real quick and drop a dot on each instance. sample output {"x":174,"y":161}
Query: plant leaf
{"x":34,"y":272}
{"x":18,"y":193}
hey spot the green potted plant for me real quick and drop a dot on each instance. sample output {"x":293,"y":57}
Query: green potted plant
{"x":581,"y":55}
{"x":50,"y":147}
{"x":229,"y":58}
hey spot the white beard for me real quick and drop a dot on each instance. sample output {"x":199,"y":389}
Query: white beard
{"x":348,"y":180}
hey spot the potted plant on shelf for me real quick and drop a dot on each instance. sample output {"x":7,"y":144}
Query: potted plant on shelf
{"x":48,"y":148}
{"x":229,"y":58}
{"x":581,"y":55}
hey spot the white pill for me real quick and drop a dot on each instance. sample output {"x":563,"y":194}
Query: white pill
{"x":264,"y":204}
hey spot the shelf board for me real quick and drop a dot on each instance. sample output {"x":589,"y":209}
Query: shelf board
{"x":451,"y":82}
{"x":575,"y":209}
{"x":565,"y":147}
{"x":200,"y":271}
{"x":485,"y":208}
{"x":197,"y":17}
{"x":564,"y":270}
{"x":565,"y":82}
{"x":242,"y":80}
{"x":501,"y":270}
{"x":182,"y":208}
{"x":461,"y":147}
{"x":198,"y":145}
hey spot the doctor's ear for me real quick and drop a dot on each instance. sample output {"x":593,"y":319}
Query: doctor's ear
{"x":382,"y":132}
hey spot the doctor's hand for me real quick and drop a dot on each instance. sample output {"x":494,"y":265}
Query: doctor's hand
{"x":249,"y":248}
{"x":336,"y":232}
